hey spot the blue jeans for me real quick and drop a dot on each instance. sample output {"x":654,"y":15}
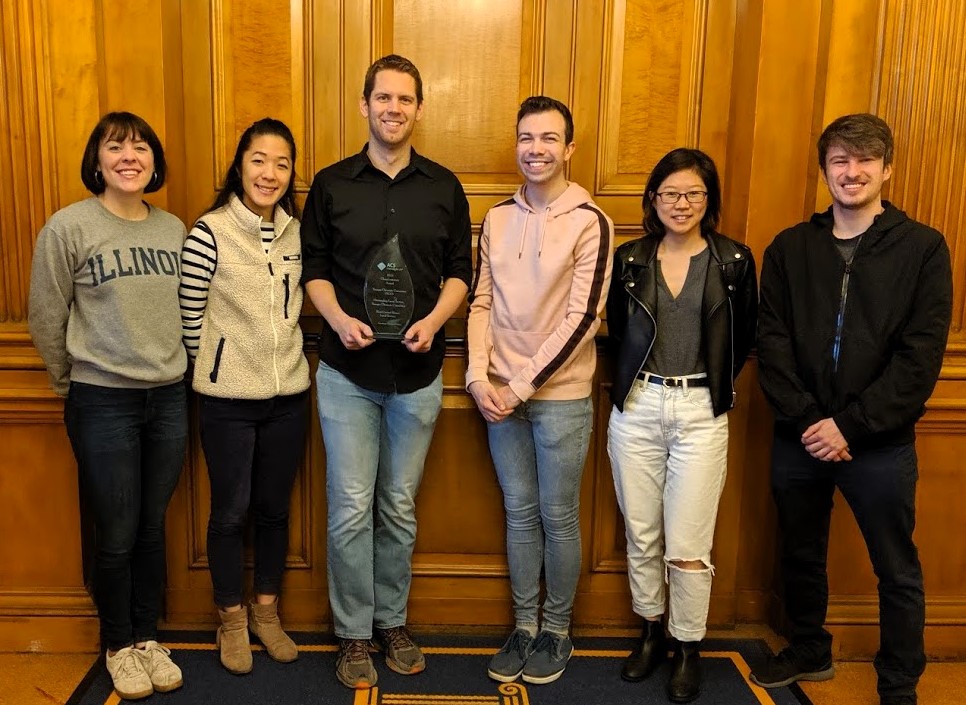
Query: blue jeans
{"x":129,"y":445}
{"x":375,"y":447}
{"x":879,"y":485}
{"x":253,"y":449}
{"x":539,"y":453}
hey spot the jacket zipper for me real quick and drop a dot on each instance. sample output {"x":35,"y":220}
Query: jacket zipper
{"x":214,"y":370}
{"x":647,"y":353}
{"x":271,"y":309}
{"x":285,"y":281}
{"x":731,"y":351}
{"x":840,"y":318}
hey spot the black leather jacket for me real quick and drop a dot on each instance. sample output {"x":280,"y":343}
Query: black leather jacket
{"x":728,"y":317}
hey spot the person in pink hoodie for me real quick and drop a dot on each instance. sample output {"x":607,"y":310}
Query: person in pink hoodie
{"x":543,"y":272}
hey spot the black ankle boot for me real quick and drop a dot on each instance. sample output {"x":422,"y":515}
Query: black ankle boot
{"x":648,"y":655}
{"x":685,"y":683}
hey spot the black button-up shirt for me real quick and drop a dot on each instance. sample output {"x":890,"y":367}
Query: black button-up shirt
{"x":352,"y":209}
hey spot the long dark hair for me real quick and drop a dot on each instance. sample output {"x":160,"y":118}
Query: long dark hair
{"x":683,"y":159}
{"x":233,"y":182}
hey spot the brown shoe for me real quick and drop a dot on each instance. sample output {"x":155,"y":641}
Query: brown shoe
{"x":402,"y":654}
{"x":264,"y":624}
{"x":354,"y":667}
{"x":232,"y":642}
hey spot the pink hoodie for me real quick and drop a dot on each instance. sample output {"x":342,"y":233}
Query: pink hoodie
{"x":541,"y":283}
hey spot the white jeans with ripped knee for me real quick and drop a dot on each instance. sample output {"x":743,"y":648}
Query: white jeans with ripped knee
{"x":669,"y":456}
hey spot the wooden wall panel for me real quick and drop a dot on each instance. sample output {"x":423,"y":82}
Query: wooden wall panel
{"x":644,"y":87}
{"x":477,"y":59}
{"x":922,"y":95}
{"x":751,"y":82}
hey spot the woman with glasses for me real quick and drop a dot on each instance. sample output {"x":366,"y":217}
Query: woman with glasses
{"x":681,"y":314}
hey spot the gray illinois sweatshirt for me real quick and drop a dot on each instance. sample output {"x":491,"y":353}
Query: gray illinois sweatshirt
{"x":104,"y":298}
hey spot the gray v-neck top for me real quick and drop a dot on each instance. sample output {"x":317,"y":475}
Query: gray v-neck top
{"x":678,"y":348}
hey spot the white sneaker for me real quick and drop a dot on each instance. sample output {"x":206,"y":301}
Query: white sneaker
{"x":157,"y":663}
{"x":131,"y":682}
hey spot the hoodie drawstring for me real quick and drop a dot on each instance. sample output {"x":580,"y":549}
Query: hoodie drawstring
{"x":543,"y":229}
{"x":523,"y":237}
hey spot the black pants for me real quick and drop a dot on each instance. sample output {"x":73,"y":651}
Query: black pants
{"x":253,"y":449}
{"x":880,"y":487}
{"x":129,"y":445}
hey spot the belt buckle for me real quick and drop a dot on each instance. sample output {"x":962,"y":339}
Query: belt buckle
{"x":668,"y":382}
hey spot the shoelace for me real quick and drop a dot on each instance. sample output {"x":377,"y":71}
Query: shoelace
{"x":547,"y":641}
{"x":397,"y":638}
{"x":519,"y":641}
{"x":158,"y":647}
{"x":355,"y":650}
{"x":160,"y":663}
{"x":130,"y":666}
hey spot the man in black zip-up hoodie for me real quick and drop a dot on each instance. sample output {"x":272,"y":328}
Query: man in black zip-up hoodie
{"x":855,"y":311}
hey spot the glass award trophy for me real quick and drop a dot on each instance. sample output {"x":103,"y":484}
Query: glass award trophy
{"x":388,"y":292}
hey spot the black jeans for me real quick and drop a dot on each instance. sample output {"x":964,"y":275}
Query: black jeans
{"x":880,"y":487}
{"x":253,"y":449}
{"x":129,"y":445}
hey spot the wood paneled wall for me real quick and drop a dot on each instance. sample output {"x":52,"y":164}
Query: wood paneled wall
{"x":752,"y":82}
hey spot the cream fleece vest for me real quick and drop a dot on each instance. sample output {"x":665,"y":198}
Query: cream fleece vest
{"x":251,"y":343}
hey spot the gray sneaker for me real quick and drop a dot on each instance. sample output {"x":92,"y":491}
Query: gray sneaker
{"x":403,"y":655}
{"x":354,"y":667}
{"x":549,"y":658}
{"x":507,"y":663}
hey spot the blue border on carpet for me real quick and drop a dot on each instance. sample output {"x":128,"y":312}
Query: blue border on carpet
{"x":456,"y":673}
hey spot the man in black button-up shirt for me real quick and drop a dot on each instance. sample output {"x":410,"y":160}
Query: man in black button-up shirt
{"x":379,"y":399}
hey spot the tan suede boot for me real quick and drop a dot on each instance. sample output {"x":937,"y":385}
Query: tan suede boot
{"x":265,"y":625}
{"x":232,"y":641}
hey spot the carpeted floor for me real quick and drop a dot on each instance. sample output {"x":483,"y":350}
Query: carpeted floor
{"x":456,"y":673}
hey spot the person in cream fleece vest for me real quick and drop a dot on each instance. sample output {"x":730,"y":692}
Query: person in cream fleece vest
{"x":240,"y":302}
{"x":250,"y":343}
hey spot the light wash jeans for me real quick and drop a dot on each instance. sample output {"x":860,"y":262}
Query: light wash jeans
{"x":539,"y":453}
{"x":669,"y":456}
{"x":375,"y":446}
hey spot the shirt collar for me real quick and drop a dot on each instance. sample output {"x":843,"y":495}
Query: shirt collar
{"x":416,"y":161}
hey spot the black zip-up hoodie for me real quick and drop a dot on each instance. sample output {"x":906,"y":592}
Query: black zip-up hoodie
{"x":728,"y":311}
{"x":886,"y":314}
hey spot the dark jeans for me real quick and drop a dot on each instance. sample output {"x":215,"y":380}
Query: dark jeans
{"x":253,"y":449}
{"x":880,"y":487}
{"x":129,"y":445}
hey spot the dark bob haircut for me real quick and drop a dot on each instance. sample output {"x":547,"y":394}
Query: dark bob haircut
{"x":233,"y":181}
{"x":120,"y":126}
{"x":862,"y":134}
{"x":392,"y":62}
{"x":683,"y":159}
{"x":543,"y":104}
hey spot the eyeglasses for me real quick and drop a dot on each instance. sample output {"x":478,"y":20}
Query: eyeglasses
{"x":671,"y":197}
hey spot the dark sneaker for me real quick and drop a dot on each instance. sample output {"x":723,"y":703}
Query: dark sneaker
{"x":354,"y":667}
{"x":402,"y":654}
{"x":549,"y":658}
{"x":784,"y":669}
{"x":507,"y":663}
{"x":898,"y":699}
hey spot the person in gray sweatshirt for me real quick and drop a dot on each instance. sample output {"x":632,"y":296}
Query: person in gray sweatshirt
{"x":103,"y":314}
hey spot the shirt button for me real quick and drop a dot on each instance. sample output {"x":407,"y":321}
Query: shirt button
{"x":630,"y":283}
{"x":630,"y":259}
{"x":731,"y":287}
{"x":737,"y":256}
{"x":392,"y":211}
